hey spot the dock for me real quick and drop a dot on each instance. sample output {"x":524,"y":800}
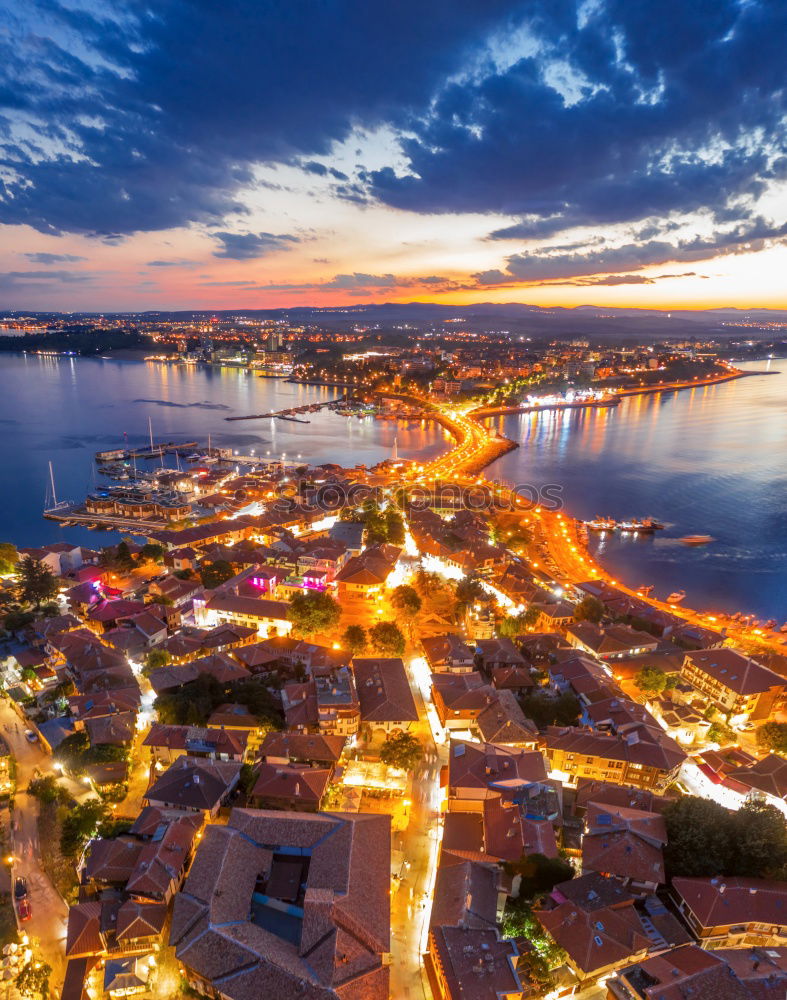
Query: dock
{"x":152,"y":450}
{"x":109,"y":522}
{"x":288,"y":414}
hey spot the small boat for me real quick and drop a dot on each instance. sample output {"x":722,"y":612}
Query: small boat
{"x":676,"y":597}
{"x":696,"y":539}
{"x":193,"y":457}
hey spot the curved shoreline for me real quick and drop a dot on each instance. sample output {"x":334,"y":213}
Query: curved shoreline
{"x":563,"y":537}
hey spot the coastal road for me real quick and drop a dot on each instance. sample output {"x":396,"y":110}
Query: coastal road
{"x":49,"y":912}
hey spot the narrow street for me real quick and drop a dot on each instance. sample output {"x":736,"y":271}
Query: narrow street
{"x":49,"y":912}
{"x":420,"y":847}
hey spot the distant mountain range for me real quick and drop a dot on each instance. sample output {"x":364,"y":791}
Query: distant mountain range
{"x":517,"y":317}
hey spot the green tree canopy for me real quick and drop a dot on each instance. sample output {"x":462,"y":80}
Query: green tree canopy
{"x":155,"y":659}
{"x":540,"y":874}
{"x":314,"y":612}
{"x":589,"y":609}
{"x":406,"y":601}
{"x":215,"y":573}
{"x":401,"y":749}
{"x":705,"y":839}
{"x":773,"y":736}
{"x":650,"y":680}
{"x":514,"y":625}
{"x":394,"y":526}
{"x":354,"y":639}
{"x":153,"y":552}
{"x":33,"y":980}
{"x":37,"y":582}
{"x":387,"y":639}
{"x":80,"y":824}
{"x":9,"y":557}
{"x":547,"y":710}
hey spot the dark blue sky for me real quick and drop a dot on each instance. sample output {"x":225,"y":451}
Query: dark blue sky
{"x":584,"y":144}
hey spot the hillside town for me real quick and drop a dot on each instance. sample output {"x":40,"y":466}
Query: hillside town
{"x":355,"y":736}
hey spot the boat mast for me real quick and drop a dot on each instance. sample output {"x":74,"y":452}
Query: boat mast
{"x":150,"y":431}
{"x":52,"y":483}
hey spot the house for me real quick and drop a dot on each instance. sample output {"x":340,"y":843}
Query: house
{"x":167,"y":743}
{"x":609,"y":642}
{"x":238,"y":721}
{"x":194,"y":785}
{"x":478,"y":771}
{"x":267,"y":617}
{"x":688,"y":971}
{"x":596,"y":923}
{"x":287,"y":905}
{"x":496,"y":654}
{"x":473,"y":964}
{"x":460,"y":698}
{"x":733,"y":912}
{"x":60,"y":558}
{"x":766,"y":780}
{"x":574,"y":753}
{"x":364,"y":577}
{"x":503,"y":721}
{"x":627,"y":843}
{"x":738,"y":686}
{"x":384,"y":695}
{"x":556,"y":616}
{"x":302,"y":748}
{"x":219,"y":665}
{"x":448,"y":654}
{"x":298,"y":787}
{"x":509,"y":788}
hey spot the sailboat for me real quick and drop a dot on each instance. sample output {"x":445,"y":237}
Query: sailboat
{"x":51,"y":502}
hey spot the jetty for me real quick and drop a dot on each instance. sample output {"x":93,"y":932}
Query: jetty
{"x":290,"y":413}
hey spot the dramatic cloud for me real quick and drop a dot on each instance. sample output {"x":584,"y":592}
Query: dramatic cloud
{"x":640,"y":125}
{"x":247,"y":246}
{"x":545,"y":264}
{"x":54,"y":258}
{"x":120,"y":120}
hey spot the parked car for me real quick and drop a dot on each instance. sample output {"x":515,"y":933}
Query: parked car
{"x":25,"y":913}
{"x":20,"y":887}
{"x":30,"y":736}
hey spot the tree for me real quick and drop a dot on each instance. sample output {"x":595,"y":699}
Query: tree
{"x":539,"y":873}
{"x":427,"y":582}
{"x":698,"y":838}
{"x":71,"y":751}
{"x":155,"y":659}
{"x":153,"y":552}
{"x":387,"y":639}
{"x":589,"y":609}
{"x":651,"y":680}
{"x":123,"y":557}
{"x":759,"y":839}
{"x":33,"y":980}
{"x":9,"y":557}
{"x":547,"y":710}
{"x":721,"y":734}
{"x":405,"y":599}
{"x":80,"y":824}
{"x":773,"y":736}
{"x":401,"y":749}
{"x":394,"y":526}
{"x":215,"y":573}
{"x":47,"y":789}
{"x":314,"y":612}
{"x":354,"y":639}
{"x":469,"y":589}
{"x":514,"y":625}
{"x":37,"y":582}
